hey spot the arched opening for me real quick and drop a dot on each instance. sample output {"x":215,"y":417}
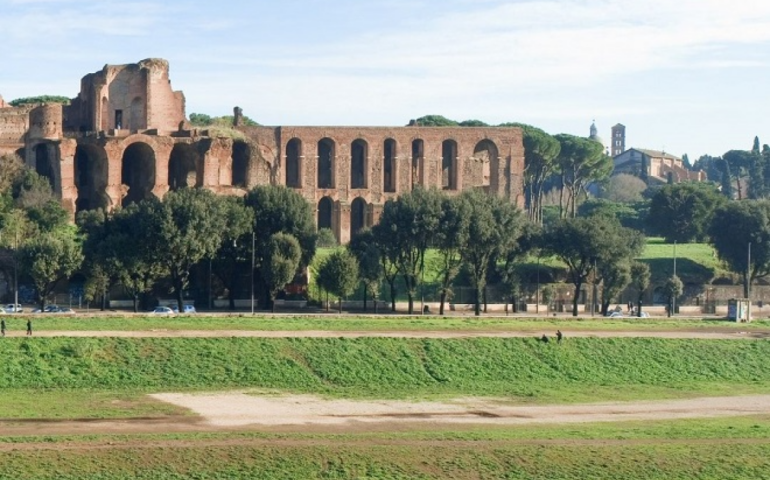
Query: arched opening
{"x":91,"y":177}
{"x":449,"y":165}
{"x":389,"y":166}
{"x":325,"y":207}
{"x":359,"y":159}
{"x":43,"y":164}
{"x":326,"y":163}
{"x":182,"y":167}
{"x":357,"y":216}
{"x":485,"y":155}
{"x":138,"y":172}
{"x":418,"y":159}
{"x":241,"y":157}
{"x":294,"y":163}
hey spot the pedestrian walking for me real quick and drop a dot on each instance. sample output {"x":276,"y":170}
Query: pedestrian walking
{"x":559,"y":336}
{"x":29,"y":327}
{"x":2,"y":327}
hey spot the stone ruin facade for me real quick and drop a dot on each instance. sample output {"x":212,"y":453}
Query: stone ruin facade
{"x":125,"y":137}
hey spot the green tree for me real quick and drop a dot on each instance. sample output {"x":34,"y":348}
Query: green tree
{"x":583,"y":243}
{"x":338,"y":275}
{"x":640,"y":280}
{"x":682,"y":212}
{"x":33,"y":194}
{"x":673,"y":289}
{"x":624,"y":188}
{"x":540,"y":153}
{"x":364,"y":247}
{"x":433,"y":121}
{"x":132,"y":247}
{"x":739,"y":163}
{"x":494,"y":228}
{"x":581,"y":161}
{"x":49,"y":259}
{"x":239,"y":221}
{"x":281,"y":265}
{"x":411,"y":221}
{"x":191,"y":227}
{"x":451,"y":234}
{"x":734,"y":227}
{"x":278,"y":209}
{"x":388,"y":257}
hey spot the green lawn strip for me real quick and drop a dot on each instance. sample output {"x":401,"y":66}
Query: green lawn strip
{"x":368,"y":323}
{"x":519,"y":369}
{"x":733,"y":459}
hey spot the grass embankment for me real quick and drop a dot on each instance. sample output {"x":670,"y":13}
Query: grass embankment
{"x":105,"y":377}
{"x":56,"y":373}
{"x":370,"y":323}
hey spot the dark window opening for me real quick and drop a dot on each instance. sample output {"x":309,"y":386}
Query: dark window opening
{"x":293,"y":164}
{"x":326,"y":163}
{"x":389,"y":168}
{"x":358,"y":164}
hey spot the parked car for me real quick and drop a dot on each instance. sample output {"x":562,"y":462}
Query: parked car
{"x":162,"y":311}
{"x":615,"y":315}
{"x":47,"y":309}
{"x":14,"y":308}
{"x":186,"y":308}
{"x":64,"y":311}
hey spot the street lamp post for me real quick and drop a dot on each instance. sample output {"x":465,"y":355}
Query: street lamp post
{"x":537,"y":292}
{"x":253,"y":243}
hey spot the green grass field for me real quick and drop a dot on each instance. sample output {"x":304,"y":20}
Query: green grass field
{"x":64,"y":378}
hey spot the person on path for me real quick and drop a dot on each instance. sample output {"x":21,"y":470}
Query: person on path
{"x":559,"y":336}
{"x":29,"y":327}
{"x":2,"y":326}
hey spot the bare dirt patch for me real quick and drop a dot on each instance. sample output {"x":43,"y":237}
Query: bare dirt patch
{"x":242,"y":409}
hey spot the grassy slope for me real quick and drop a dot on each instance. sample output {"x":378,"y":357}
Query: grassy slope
{"x":82,"y":377}
{"x":521,"y":368}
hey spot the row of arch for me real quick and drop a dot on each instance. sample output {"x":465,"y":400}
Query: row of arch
{"x":485,"y":151}
{"x":138,"y":170}
{"x":359,"y":215}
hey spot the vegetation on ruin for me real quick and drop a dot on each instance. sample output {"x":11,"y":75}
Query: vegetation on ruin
{"x":39,"y":99}
{"x":226,"y":121}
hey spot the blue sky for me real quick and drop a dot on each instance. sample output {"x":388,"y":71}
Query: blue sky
{"x":686,"y":76}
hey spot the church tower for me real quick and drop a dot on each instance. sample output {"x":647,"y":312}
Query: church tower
{"x":618,"y":140}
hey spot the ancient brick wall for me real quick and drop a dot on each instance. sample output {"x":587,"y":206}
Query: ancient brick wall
{"x":14,"y":124}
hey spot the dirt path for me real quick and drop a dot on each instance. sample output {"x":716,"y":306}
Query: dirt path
{"x":244,"y":411}
{"x":702,"y":333}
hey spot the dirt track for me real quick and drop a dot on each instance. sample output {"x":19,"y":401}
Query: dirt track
{"x":700,"y":333}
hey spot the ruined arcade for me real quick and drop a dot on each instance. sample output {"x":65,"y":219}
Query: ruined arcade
{"x":125,"y":137}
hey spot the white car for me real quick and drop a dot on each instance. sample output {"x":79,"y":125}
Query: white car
{"x":14,"y":308}
{"x":163,"y":311}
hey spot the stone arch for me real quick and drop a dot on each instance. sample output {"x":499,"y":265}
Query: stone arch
{"x":294,"y":163}
{"x":449,"y":165}
{"x":325,"y":213}
{"x":326,"y":157}
{"x":91,"y":178}
{"x":359,"y":164}
{"x":357,"y":216}
{"x":389,"y":166}
{"x":418,"y":162}
{"x":44,"y":163}
{"x":137,"y":172}
{"x":183,"y":166}
{"x":486,"y":154}
{"x":241,"y":162}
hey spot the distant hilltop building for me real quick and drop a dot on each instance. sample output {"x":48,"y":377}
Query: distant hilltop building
{"x":594,"y":135}
{"x":125,"y":138}
{"x":655,"y":167}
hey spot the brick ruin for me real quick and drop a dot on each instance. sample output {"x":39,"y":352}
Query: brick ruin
{"x":125,"y":137}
